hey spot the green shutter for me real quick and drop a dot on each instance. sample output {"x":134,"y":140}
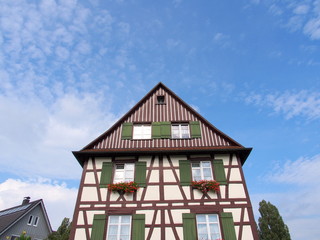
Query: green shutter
{"x":189,"y":226}
{"x":185,"y":172}
{"x":195,"y":129}
{"x":161,"y":130}
{"x":138,"y":227}
{"x":156,"y":130}
{"x":98,"y":227}
{"x":106,"y":174}
{"x":165,"y":129}
{"x":219,"y":174}
{"x":127,"y":130}
{"x":228,"y":226}
{"x":140,"y":173}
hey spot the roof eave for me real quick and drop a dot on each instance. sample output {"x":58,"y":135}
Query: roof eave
{"x":84,"y":155}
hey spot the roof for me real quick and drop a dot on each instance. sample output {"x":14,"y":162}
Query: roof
{"x":11,"y":216}
{"x":147,"y":111}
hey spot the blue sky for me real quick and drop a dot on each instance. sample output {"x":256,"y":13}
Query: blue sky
{"x":69,"y":69}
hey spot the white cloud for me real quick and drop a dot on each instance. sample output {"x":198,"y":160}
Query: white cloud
{"x":298,"y":204}
{"x":59,"y":199}
{"x":312,"y":28}
{"x":291,"y":104}
{"x":301,"y":9}
{"x":302,"y":171}
{"x":43,"y":136}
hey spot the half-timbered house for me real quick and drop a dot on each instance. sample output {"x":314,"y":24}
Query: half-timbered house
{"x":163,"y":146}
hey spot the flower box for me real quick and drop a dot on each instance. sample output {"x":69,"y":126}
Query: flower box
{"x":123,"y":187}
{"x":206,"y":185}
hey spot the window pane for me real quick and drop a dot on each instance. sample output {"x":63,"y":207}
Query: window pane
{"x":207,"y":173}
{"x":114,"y":219}
{"x":126,"y":219}
{"x":113,"y":229}
{"x":125,"y":230}
{"x":213,"y":217}
{"x":201,"y":218}
{"x":120,"y":166}
{"x":214,"y":229}
{"x":206,"y":164}
{"x":195,"y":164}
{"x":196,"y":174}
{"x":129,"y":166}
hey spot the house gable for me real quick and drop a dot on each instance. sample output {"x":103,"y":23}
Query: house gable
{"x":160,"y":106}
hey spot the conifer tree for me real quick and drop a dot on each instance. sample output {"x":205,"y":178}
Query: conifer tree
{"x":271,"y":225}
{"x":63,"y":231}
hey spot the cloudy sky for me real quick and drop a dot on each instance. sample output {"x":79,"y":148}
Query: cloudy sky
{"x":69,"y":69}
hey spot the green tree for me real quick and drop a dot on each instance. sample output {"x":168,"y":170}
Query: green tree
{"x":271,"y":225}
{"x":63,"y":231}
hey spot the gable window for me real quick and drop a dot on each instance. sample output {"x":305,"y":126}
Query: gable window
{"x":141,"y":131}
{"x":119,"y":227}
{"x":208,"y":227}
{"x":124,"y":172}
{"x":201,"y":170}
{"x":35,"y":222}
{"x":160,"y":100}
{"x":30,"y":220}
{"x":180,"y":130}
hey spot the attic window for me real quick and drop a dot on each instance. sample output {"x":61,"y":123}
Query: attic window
{"x":160,"y":99}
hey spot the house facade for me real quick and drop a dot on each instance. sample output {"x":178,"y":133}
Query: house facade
{"x":29,"y":217}
{"x":166,"y":148}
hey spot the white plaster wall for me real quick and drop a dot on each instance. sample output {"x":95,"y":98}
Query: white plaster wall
{"x":152,"y":193}
{"x":235,"y":174}
{"x":100,"y":160}
{"x":148,"y":215}
{"x":224,"y":157}
{"x":145,"y":159}
{"x":176,"y":158}
{"x":168,"y":176}
{"x":89,"y":165}
{"x":172,"y":192}
{"x":247,"y":233}
{"x":89,"y":178}
{"x":234,"y":160}
{"x":177,"y":215}
{"x":90,"y":215}
{"x":236,"y":191}
{"x":223,"y":191}
{"x":236,"y":213}
{"x":186,"y":190}
{"x":154,"y":177}
{"x":156,"y":234}
{"x":169,"y":233}
{"x":80,"y":218}
{"x":89,"y":194}
{"x":80,"y":234}
{"x":104,"y":192}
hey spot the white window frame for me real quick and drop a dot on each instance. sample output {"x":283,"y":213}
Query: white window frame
{"x":125,"y":172}
{"x":201,"y":168}
{"x":141,"y":131}
{"x":119,"y":224}
{"x":179,"y":127}
{"x":208,"y":224}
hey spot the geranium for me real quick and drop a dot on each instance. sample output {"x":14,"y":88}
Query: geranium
{"x":206,"y":185}
{"x":125,"y":187}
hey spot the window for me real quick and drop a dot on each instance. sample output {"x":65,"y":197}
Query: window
{"x":119,"y":227}
{"x":160,"y":100}
{"x":124,"y":172}
{"x":30,"y":220}
{"x":208,"y":227}
{"x":180,"y":130}
{"x":35,"y":222}
{"x":201,"y":171}
{"x":142,"y":131}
